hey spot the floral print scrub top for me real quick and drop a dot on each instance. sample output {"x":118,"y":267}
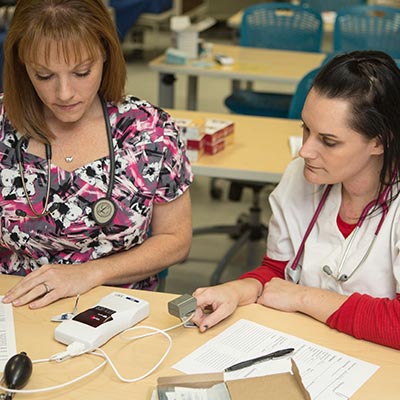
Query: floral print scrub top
{"x":151,"y":167}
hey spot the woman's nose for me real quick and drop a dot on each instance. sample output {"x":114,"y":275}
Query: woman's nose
{"x":308,"y":149}
{"x":65,"y":89}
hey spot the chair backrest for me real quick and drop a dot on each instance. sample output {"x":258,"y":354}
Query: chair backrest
{"x":281,"y":26}
{"x":368,"y":28}
{"x":330,"y":5}
{"x":301,"y":93}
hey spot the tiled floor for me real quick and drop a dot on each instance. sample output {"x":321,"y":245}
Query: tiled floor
{"x":206,"y":249}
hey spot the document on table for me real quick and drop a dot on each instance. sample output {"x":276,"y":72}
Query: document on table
{"x":295,"y":143}
{"x":326,"y":374}
{"x":7,"y":334}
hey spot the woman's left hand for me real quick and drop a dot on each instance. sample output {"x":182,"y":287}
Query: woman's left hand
{"x":287,"y":296}
{"x":50,"y":283}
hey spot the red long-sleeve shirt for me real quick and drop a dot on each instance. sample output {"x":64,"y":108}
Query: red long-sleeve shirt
{"x":362,"y":316}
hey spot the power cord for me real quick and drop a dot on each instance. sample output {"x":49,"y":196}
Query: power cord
{"x":76,"y":349}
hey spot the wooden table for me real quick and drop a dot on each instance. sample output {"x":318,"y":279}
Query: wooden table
{"x":277,"y":67}
{"x":34,"y":334}
{"x":260,"y":152}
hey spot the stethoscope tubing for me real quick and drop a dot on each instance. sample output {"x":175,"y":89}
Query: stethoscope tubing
{"x":19,"y":157}
{"x":381,"y":202}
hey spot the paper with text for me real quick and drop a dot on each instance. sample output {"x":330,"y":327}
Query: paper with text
{"x":295,"y":143}
{"x":7,"y":333}
{"x":326,"y":374}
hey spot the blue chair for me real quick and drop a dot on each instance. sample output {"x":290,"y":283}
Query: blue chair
{"x":127,"y":12}
{"x":276,"y":26}
{"x":330,"y":5}
{"x":299,"y":98}
{"x":368,"y":28}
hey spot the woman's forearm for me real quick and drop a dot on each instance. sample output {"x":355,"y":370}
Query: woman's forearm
{"x":152,"y":256}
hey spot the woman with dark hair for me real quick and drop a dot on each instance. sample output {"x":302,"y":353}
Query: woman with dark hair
{"x":333,"y":250}
{"x":86,"y":170}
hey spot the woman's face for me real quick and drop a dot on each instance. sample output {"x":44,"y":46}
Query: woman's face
{"x":332,"y":151}
{"x":67,"y":89}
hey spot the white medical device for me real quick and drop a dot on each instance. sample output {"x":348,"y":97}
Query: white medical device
{"x":95,"y":326}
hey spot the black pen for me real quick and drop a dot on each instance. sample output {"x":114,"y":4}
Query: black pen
{"x":270,"y":356}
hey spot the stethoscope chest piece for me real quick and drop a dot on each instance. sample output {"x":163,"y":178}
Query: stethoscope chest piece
{"x":104,"y":211}
{"x":293,"y":275}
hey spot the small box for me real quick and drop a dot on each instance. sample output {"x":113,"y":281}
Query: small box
{"x":191,"y":129}
{"x":175,"y":56}
{"x":195,"y":144}
{"x":182,"y":306}
{"x":285,"y":386}
{"x":194,"y":155}
{"x":215,"y":147}
{"x":216,"y":130}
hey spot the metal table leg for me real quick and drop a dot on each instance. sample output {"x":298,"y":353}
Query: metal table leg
{"x":192,"y":93}
{"x":166,"y":90}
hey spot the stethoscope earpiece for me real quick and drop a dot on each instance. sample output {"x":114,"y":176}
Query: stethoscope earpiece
{"x":327,"y":269}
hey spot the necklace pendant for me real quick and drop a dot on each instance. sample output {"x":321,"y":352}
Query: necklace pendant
{"x":69,"y":159}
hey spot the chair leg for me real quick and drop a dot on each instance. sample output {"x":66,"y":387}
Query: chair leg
{"x":239,"y":243}
{"x":247,"y":230}
{"x":161,"y":285}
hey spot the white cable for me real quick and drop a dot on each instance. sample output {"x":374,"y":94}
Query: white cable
{"x":127,"y":380}
{"x":77,"y":349}
{"x":55,"y":387}
{"x":183,"y":322}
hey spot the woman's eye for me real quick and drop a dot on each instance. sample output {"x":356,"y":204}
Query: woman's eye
{"x":329,"y":143}
{"x":43,"y":77}
{"x":82,"y":74}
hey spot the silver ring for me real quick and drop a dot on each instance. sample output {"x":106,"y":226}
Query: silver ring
{"x":47,"y":287}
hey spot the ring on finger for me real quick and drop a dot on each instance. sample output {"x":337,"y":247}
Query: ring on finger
{"x":47,"y":287}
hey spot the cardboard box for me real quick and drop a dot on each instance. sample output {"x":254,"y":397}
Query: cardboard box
{"x":215,"y":147}
{"x":191,"y":129}
{"x":272,"y":387}
{"x":217,"y":129}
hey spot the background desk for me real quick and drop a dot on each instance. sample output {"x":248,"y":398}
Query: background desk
{"x":260,"y":152}
{"x":34,"y":334}
{"x":250,"y":64}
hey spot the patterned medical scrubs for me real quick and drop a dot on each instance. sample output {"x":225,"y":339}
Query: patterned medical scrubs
{"x":150,"y":168}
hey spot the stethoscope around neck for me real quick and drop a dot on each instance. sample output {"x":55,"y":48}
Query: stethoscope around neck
{"x":103,"y":209}
{"x":293,"y":272}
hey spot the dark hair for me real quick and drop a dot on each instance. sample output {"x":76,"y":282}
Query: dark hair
{"x":74,"y":25}
{"x":370,"y":81}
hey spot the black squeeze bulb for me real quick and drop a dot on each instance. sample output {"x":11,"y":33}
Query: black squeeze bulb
{"x":17,"y":371}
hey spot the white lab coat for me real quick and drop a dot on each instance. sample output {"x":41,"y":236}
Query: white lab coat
{"x":293,"y":204}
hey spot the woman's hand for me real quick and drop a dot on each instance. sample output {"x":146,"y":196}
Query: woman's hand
{"x":49,"y":283}
{"x":216,"y":303}
{"x":287,"y":296}
{"x":281,"y":295}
